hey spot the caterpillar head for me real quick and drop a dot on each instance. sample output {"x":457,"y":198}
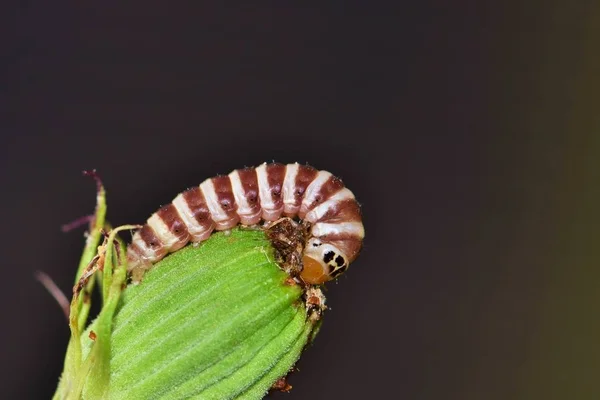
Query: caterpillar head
{"x":322,"y":262}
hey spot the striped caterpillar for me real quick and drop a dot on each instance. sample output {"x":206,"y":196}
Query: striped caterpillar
{"x":247,"y":196}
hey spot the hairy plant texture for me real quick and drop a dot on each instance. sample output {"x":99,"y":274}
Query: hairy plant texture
{"x":214,"y":321}
{"x":219,"y":320}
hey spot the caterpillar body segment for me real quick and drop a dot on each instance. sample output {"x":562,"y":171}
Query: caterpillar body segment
{"x":247,"y":196}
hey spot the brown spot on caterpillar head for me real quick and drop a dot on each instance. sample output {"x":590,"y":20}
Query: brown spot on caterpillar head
{"x":328,"y":256}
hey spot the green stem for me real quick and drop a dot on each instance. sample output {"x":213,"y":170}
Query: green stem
{"x":80,"y":305}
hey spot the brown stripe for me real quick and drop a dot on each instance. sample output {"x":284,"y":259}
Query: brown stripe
{"x":250,"y":184}
{"x":152,"y":241}
{"x":173,"y":221}
{"x":197,"y":205}
{"x":224,"y":193}
{"x":306,"y":174}
{"x":275,"y":176}
{"x":329,"y":188}
{"x":343,"y":211}
{"x":134,"y":252}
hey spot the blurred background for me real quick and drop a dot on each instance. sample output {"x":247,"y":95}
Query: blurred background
{"x":468,"y":131}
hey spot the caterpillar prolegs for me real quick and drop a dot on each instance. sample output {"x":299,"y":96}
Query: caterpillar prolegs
{"x":247,"y":196}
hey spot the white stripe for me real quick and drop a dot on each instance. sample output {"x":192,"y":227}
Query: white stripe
{"x":289,"y":185}
{"x":264,"y":190}
{"x":238,"y":193}
{"x":314,"y":188}
{"x":317,"y":213}
{"x":212,"y":201}
{"x":353,"y":228}
{"x":146,"y":251}
{"x":162,"y":231}
{"x":194,"y":228}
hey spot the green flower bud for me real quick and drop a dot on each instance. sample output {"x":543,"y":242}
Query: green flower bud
{"x":218,"y":321}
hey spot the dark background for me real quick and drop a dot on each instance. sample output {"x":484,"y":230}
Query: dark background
{"x":469,"y":133}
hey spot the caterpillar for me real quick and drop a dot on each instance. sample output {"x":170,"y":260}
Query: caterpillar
{"x":247,"y":196}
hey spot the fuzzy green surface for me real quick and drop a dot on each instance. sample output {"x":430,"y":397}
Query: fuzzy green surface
{"x":214,"y":321}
